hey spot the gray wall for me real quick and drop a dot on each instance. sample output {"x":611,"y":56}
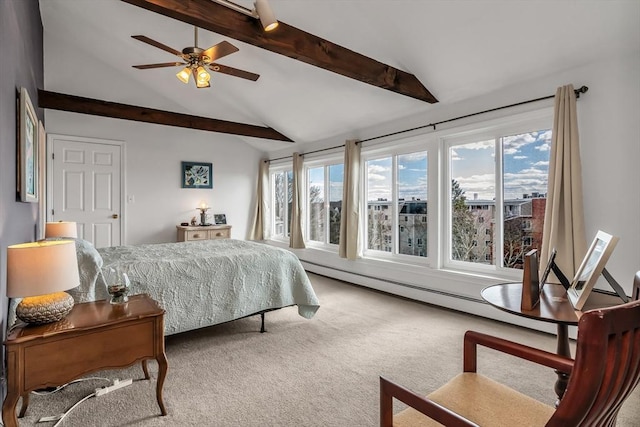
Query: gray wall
{"x":21,"y":66}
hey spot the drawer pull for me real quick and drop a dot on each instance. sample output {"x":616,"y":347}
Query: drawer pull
{"x":195,"y":236}
{"x":218,"y":234}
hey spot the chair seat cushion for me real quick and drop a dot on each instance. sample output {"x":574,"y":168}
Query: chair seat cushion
{"x":483,"y":401}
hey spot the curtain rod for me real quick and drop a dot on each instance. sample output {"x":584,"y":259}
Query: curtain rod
{"x":582,"y":89}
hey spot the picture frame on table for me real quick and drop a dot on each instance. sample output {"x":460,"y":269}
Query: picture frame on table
{"x":530,"y":283}
{"x":591,"y":268}
{"x":28,"y":179}
{"x":197,"y":175}
{"x":220,"y":219}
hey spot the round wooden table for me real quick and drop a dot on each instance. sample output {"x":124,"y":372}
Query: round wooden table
{"x":554,"y":307}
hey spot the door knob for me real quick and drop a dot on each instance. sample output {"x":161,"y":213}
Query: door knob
{"x":114,"y":216}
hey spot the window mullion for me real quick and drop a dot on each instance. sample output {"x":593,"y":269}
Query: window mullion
{"x":498,"y":219}
{"x":327,"y":204}
{"x":395,"y":236}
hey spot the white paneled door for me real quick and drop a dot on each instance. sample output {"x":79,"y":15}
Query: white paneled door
{"x":85,"y":176}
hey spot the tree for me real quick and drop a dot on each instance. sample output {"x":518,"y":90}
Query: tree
{"x":316,"y":214}
{"x":463,"y":229}
{"x":378,"y":227}
{"x":283,"y":199}
{"x":514,"y":249}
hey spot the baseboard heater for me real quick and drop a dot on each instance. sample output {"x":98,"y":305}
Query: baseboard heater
{"x":406,"y":285}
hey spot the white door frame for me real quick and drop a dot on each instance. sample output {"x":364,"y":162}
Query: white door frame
{"x":81,"y":139}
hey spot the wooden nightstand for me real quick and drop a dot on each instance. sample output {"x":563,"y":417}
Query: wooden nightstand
{"x":94,"y":336}
{"x":203,"y":232}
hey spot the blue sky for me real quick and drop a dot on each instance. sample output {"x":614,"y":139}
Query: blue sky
{"x":526,"y":165}
{"x":336,"y":177}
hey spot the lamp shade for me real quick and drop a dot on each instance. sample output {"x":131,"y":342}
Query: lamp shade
{"x":61,"y":229}
{"x":41,"y":268}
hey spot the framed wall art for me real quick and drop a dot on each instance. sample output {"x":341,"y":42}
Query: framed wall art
{"x":197,"y":175}
{"x":27,"y":167}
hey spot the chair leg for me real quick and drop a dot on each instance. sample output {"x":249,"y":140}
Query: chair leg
{"x":386,"y":406}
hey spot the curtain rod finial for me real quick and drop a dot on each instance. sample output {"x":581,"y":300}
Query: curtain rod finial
{"x":582,"y":89}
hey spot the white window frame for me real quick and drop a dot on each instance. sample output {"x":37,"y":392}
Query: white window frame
{"x":491,"y":129}
{"x":418,"y":143}
{"x":325,"y":162}
{"x":274,"y":169}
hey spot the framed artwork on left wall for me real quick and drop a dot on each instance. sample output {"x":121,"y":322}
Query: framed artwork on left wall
{"x":27,"y":165}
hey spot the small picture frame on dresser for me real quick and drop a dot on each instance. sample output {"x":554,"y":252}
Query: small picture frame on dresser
{"x":220,"y":219}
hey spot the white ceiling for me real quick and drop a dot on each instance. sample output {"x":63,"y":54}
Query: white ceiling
{"x":458,"y":49}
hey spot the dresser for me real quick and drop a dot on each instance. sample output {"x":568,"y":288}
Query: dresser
{"x":203,"y":232}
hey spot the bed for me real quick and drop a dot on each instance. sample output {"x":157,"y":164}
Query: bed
{"x":201,"y":283}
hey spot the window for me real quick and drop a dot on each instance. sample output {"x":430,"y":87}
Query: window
{"x":401,"y":179}
{"x":488,"y":207}
{"x":494,"y":184}
{"x":281,"y":200}
{"x":324,"y":202}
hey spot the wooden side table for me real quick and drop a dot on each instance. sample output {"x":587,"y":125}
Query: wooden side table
{"x":94,"y":336}
{"x":203,"y":232}
{"x":554,"y":307}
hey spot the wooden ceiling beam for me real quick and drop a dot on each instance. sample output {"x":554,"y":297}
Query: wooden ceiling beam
{"x":289,"y":41}
{"x":77,"y":104}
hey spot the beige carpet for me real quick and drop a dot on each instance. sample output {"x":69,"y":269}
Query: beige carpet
{"x":318,"y":372}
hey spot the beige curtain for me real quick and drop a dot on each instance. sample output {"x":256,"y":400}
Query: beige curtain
{"x":564,"y":213}
{"x":260,"y":229}
{"x":350,"y":215}
{"x":296,"y":240}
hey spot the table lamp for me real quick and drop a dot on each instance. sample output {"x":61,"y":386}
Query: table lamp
{"x":203,"y":213}
{"x":61,"y":229}
{"x":40,"y":272}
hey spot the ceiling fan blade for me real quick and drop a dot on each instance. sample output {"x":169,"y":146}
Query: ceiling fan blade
{"x":219,"y":50}
{"x":159,"y":45}
{"x":164,"y":64}
{"x":234,"y":72}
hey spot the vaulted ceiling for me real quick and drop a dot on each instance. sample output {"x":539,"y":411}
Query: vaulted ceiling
{"x":334,"y":66}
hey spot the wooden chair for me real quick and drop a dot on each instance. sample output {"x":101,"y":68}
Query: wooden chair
{"x":605,"y":371}
{"x":636,"y":286}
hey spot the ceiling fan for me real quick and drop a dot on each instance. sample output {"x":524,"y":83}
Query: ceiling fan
{"x":196,"y":60}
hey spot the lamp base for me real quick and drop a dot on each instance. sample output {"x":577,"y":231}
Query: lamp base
{"x":44,"y":308}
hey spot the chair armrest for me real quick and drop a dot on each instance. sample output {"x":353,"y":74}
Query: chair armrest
{"x":390,"y":390}
{"x":472,"y":339}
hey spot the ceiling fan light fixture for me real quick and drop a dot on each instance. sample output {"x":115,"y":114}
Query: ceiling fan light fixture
{"x":184,"y":74}
{"x":202,"y":84}
{"x":266,"y":15}
{"x":202,"y":75}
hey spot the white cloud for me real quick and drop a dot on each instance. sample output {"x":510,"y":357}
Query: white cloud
{"x":376,"y":177}
{"x":373,"y":168}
